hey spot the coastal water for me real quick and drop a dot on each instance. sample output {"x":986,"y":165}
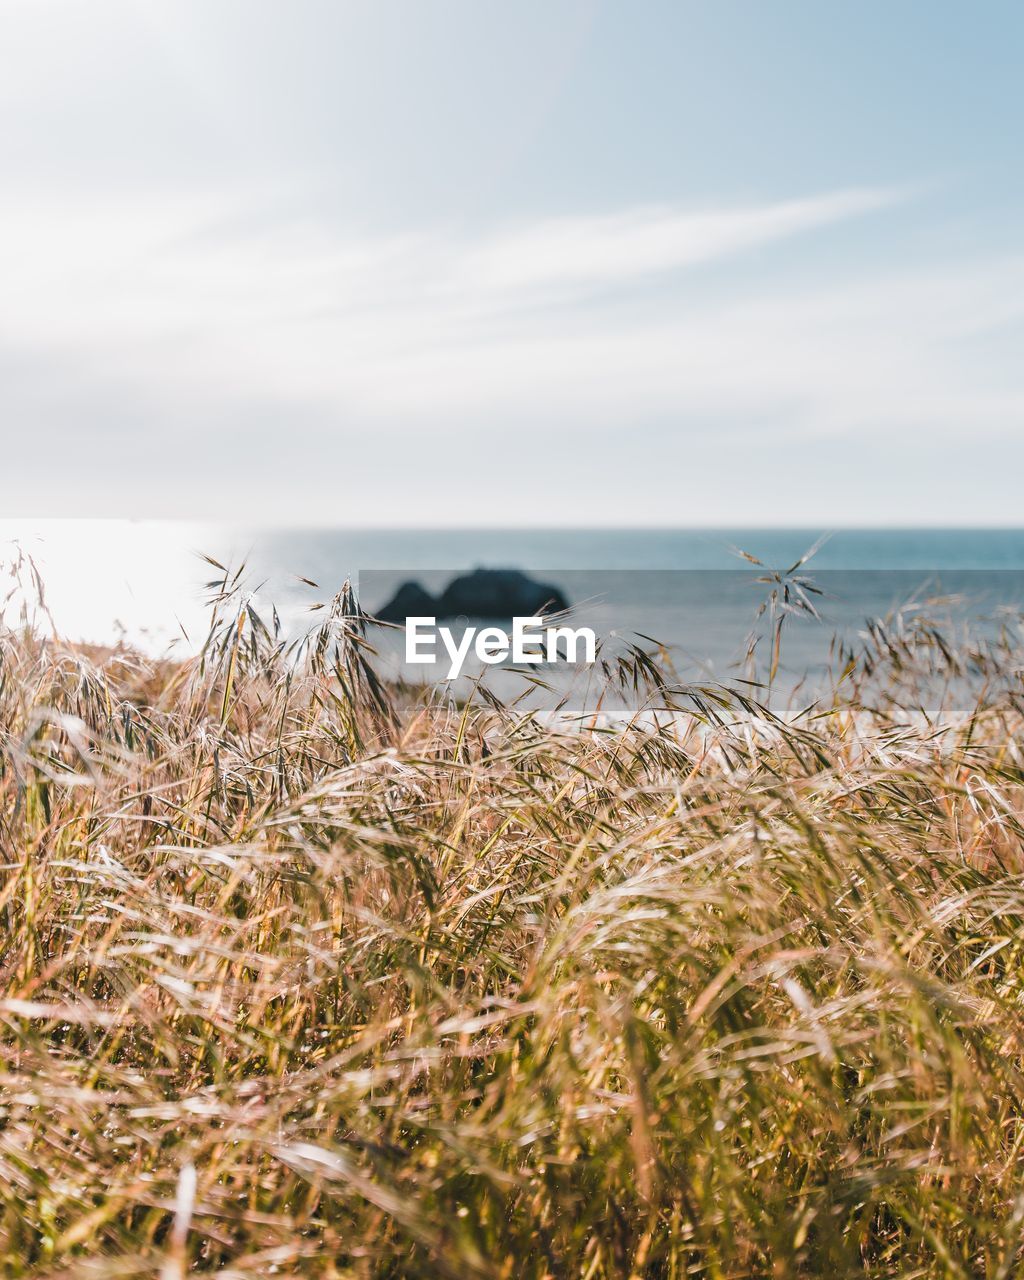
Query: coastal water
{"x":692,"y":589}
{"x":333,"y":551}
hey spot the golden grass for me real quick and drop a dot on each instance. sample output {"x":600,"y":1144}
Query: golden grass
{"x":304,"y":978}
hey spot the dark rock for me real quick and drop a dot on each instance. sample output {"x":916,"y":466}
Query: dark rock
{"x":498,"y":594}
{"x":409,"y":601}
{"x":493,"y":594}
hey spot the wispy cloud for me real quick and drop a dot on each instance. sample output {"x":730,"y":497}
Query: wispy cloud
{"x":203,"y":324}
{"x":638,"y":243}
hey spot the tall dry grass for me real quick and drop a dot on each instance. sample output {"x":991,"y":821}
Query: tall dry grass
{"x":305,"y":977}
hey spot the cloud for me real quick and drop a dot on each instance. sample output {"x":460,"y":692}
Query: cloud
{"x":142,"y":335}
{"x":628,"y":246}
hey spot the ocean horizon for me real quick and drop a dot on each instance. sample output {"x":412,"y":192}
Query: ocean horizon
{"x":147,"y":583}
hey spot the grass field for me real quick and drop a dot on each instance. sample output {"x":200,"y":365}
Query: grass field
{"x":304,"y":976}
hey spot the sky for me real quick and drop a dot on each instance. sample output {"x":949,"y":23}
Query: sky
{"x":467,"y":262}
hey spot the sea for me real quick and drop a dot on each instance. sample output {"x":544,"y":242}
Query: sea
{"x":705,"y":599}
